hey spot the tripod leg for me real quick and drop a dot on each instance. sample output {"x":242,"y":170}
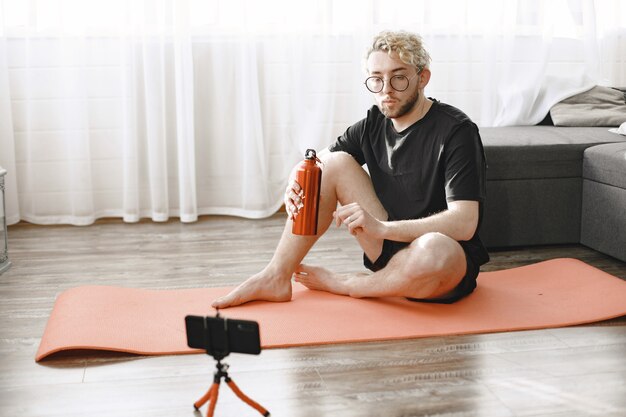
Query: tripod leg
{"x":245,"y":398}
{"x":206,"y":397}
{"x":213,"y":403}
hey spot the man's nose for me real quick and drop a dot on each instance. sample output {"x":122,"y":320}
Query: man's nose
{"x":387,"y":87}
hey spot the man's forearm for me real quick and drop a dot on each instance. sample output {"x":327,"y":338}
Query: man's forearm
{"x":458,"y":224}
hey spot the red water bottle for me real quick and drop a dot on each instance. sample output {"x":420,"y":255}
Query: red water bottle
{"x":309,"y":176}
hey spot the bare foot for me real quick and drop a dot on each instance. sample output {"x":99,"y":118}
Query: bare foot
{"x":318,"y":278}
{"x":261,"y":286}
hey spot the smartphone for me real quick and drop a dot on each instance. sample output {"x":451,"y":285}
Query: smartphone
{"x":220,"y":336}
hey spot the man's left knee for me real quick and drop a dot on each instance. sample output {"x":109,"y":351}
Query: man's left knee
{"x":440,"y":263}
{"x":436,"y":250}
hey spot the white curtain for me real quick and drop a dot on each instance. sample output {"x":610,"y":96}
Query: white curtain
{"x":160,"y":108}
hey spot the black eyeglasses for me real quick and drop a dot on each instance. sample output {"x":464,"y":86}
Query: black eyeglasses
{"x":398,"y":82}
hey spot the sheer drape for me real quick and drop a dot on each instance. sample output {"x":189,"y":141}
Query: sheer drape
{"x":158,"y":175}
{"x":7,"y":141}
{"x":181,"y":108}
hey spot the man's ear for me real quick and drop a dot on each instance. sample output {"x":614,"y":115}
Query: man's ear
{"x":424,"y":78}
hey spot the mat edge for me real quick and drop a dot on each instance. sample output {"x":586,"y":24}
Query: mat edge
{"x":46,"y":355}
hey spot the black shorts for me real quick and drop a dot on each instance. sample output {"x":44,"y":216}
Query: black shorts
{"x":465,"y":287}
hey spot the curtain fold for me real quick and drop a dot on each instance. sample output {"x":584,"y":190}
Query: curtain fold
{"x":161,"y":108}
{"x":7,"y":141}
{"x":185,"y":132}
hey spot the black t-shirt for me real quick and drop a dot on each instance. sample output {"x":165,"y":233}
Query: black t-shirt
{"x":415,"y":172}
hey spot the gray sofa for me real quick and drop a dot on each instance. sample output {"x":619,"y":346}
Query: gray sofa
{"x":555,"y":185}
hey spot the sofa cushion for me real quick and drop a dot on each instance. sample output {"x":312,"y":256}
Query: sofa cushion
{"x":606,"y":164}
{"x":600,"y":106}
{"x":532,"y":212}
{"x":533,"y":152}
{"x":603,"y":224}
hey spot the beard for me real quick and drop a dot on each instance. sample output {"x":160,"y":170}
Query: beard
{"x":404,"y":108}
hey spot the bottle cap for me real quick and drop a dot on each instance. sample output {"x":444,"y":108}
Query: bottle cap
{"x":310,"y":154}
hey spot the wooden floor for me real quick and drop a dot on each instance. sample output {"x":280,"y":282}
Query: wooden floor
{"x":579,"y":371}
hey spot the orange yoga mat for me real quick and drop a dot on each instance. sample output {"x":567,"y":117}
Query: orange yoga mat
{"x":553,"y":293}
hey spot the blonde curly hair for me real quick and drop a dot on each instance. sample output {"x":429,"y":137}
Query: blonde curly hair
{"x":408,"y":46}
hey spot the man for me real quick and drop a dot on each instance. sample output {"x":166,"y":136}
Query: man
{"x":415,"y":215}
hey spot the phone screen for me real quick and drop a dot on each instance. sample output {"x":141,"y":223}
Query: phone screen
{"x":243,"y":336}
{"x":221,"y":336}
{"x":195,"y":332}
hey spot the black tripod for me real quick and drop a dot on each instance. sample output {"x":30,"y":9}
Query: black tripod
{"x":216,"y":343}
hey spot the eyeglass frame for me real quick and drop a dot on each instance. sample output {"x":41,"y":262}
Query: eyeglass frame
{"x":389,"y":81}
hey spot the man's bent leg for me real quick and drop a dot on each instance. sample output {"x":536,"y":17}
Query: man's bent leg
{"x":343,"y":180}
{"x":430,"y":267}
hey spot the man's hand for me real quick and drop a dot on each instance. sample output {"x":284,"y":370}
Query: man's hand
{"x":293,"y":199}
{"x":359,"y":221}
